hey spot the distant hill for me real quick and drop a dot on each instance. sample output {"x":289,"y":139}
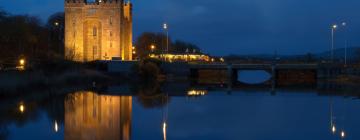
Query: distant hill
{"x":352,"y":53}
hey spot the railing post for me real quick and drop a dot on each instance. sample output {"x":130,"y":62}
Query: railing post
{"x":230,"y":76}
{"x":273,"y":79}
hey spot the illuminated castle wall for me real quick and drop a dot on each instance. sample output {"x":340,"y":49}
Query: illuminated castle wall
{"x":100,"y":30}
{"x":92,"y":116}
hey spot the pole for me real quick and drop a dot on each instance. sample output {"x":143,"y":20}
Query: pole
{"x":332,"y":45}
{"x":346,"y":42}
{"x":167,"y":41}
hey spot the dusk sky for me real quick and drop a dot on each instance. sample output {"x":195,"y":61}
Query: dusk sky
{"x":234,"y":26}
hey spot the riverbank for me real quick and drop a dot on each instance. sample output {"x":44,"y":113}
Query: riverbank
{"x":346,"y":79}
{"x":21,"y":81}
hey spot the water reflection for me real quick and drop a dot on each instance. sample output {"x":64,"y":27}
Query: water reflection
{"x":147,"y":112}
{"x":336,"y":122}
{"x":92,"y":116}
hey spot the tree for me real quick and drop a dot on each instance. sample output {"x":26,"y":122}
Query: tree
{"x":158,"y":40}
{"x":184,"y":47}
{"x":148,"y":39}
{"x":21,"y":35}
{"x":310,"y":58}
{"x":56,"y":28}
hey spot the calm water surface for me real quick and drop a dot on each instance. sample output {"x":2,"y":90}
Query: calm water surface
{"x":212,"y":115}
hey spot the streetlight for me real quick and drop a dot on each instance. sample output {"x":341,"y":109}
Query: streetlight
{"x":133,"y":50}
{"x":165,"y":26}
{"x":152,"y":47}
{"x":56,"y":23}
{"x":344,"y":24}
{"x":333,"y":28}
{"x":22,"y":62}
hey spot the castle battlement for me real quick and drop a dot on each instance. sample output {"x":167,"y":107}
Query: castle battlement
{"x":97,"y":2}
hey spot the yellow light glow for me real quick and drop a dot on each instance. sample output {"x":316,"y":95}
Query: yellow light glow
{"x":22,"y":62}
{"x":342,"y":134}
{"x":152,"y":47}
{"x":22,"y":108}
{"x":197,"y":93}
{"x":134,"y":52}
{"x":164,"y":130}
{"x":181,"y":57}
{"x":56,"y":127}
{"x":212,"y":59}
{"x":56,"y":23}
{"x":222,"y":59}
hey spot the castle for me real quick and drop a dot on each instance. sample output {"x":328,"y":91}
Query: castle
{"x":99,"y":30}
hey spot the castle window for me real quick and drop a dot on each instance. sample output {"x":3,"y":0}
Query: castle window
{"x":110,"y":44}
{"x":111,"y":20}
{"x":94,"y":31}
{"x":110,"y":33}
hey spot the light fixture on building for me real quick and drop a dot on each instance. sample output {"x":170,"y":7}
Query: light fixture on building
{"x":22,"y":62}
{"x":22,"y":108}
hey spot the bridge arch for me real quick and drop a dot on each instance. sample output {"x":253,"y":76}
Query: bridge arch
{"x":254,"y":77}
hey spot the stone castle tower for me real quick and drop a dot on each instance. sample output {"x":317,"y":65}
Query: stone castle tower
{"x":100,"y":30}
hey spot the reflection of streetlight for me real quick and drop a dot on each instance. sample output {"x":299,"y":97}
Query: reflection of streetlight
{"x":333,"y":129}
{"x":332,"y":123}
{"x":56,"y":126}
{"x":164,"y":130}
{"x":342,"y":134}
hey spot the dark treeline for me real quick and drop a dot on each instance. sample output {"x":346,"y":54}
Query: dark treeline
{"x":24,"y":36}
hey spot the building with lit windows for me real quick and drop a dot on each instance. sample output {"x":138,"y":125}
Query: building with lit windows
{"x":100,"y":30}
{"x":181,"y":57}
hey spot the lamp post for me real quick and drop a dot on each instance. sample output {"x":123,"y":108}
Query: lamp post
{"x":152,"y":47}
{"x":332,"y":41}
{"x":165,"y":26}
{"x":344,"y":24}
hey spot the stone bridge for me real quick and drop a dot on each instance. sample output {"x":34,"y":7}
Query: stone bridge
{"x":281,"y":74}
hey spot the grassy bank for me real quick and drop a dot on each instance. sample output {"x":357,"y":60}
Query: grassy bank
{"x":21,"y":81}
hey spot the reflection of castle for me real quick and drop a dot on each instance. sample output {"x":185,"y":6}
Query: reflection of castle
{"x":92,"y":116}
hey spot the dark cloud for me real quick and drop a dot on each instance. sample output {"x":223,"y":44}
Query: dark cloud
{"x":233,"y":26}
